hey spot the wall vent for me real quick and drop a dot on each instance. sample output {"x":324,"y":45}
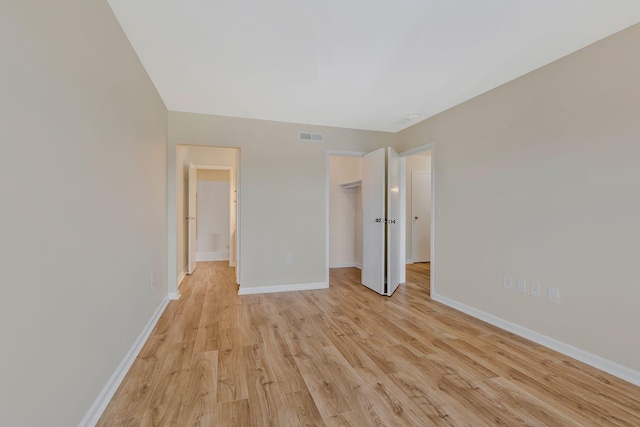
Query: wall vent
{"x":311,"y":137}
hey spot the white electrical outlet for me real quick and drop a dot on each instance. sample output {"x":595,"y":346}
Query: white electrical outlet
{"x":553,"y":295}
{"x":522,"y":286}
{"x":535,"y":289}
{"x":506,"y":282}
{"x":289,"y":259}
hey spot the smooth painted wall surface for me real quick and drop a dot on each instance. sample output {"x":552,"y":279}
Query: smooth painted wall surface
{"x":85,"y":228}
{"x":282,"y":190}
{"x":539,"y":179}
{"x":345,"y":213}
{"x":417,"y":163}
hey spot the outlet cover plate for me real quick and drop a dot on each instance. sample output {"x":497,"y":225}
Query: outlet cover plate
{"x":522,"y":286}
{"x":506,"y":282}
{"x":535,"y":289}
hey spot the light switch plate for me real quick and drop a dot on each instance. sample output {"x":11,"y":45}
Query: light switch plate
{"x":553,"y":295}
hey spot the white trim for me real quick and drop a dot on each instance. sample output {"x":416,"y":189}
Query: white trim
{"x":346,"y":264}
{"x":409,"y":261}
{"x":100,"y":404}
{"x":174,"y":296}
{"x":212,"y":256}
{"x":181,"y":278}
{"x":598,"y":362}
{"x":244,"y":290}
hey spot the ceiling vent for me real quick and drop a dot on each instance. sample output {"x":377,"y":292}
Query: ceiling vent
{"x":311,"y":137}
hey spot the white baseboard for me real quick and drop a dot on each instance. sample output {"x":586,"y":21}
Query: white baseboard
{"x":100,"y":404}
{"x":409,"y":261}
{"x":212,"y":256}
{"x":598,"y":362}
{"x":346,"y":264}
{"x":281,"y":288}
{"x":174,"y":296}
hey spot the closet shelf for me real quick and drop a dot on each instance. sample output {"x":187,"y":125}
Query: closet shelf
{"x":351,"y":186}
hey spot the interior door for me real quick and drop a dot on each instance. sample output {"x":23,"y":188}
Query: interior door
{"x":373,"y":226}
{"x":191,"y":221}
{"x":395,"y":229}
{"x":421,"y":216}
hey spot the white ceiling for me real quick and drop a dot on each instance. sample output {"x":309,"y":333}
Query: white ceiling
{"x":363,"y":64}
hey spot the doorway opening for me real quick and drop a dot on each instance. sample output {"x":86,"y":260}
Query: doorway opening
{"x":344,"y":213}
{"x":207,"y":211}
{"x":365,"y":217}
{"x":419,"y":214}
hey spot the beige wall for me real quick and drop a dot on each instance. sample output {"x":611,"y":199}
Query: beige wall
{"x":85,"y":228}
{"x":345,"y":213}
{"x":212,"y":175}
{"x":282,"y":190}
{"x":539,"y":179}
{"x":418,"y":163}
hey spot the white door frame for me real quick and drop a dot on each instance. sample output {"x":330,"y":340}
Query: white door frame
{"x":232,"y":175}
{"x":434,"y":217}
{"x":327,"y":186}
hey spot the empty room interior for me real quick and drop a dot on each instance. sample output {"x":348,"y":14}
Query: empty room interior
{"x":331,"y":213}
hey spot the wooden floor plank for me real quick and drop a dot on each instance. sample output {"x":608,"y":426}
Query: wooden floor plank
{"x":231,"y":376}
{"x":233,"y":414}
{"x":345,"y":356}
{"x":199,"y":402}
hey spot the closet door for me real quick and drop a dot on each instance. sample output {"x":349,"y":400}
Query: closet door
{"x":373,"y":226}
{"x":383,"y":238}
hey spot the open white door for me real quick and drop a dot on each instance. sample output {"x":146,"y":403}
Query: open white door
{"x":373,"y":214}
{"x":191,"y":220}
{"x":395,"y":223}
{"x":421,"y":216}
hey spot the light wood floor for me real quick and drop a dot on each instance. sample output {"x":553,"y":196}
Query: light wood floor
{"x":349,"y":357}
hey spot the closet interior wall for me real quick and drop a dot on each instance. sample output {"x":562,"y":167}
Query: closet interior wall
{"x":345,"y":212}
